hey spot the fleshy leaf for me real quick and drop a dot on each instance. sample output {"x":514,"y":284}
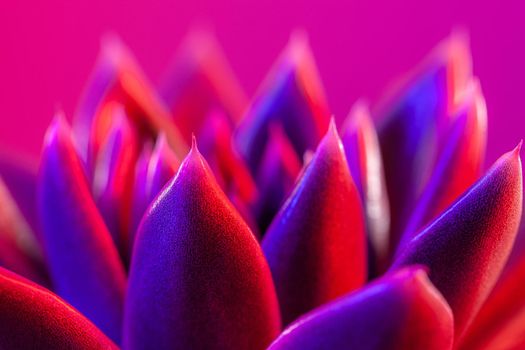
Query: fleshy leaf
{"x":140,"y":200}
{"x":291,"y":95}
{"x":412,"y":123}
{"x":276,"y":177}
{"x":500,"y":324}
{"x":246,"y":214}
{"x":163,"y":164}
{"x":200,"y":81}
{"x":117,"y":78}
{"x":316,"y":246}
{"x":459,"y":164}
{"x":153,"y":172}
{"x":228,"y":166}
{"x":84,"y":264}
{"x":361,"y":145}
{"x":113,"y":180}
{"x":105,"y":119}
{"x":198,"y":278}
{"x":399,"y":311}
{"x":34,"y":318}
{"x":467,"y":246}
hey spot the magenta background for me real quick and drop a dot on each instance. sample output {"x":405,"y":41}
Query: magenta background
{"x":47,"y":49}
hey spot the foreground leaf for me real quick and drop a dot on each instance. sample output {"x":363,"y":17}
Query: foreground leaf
{"x":467,"y":246}
{"x":198,"y":278}
{"x":34,"y":318}
{"x":316,"y":244}
{"x":397,"y":312}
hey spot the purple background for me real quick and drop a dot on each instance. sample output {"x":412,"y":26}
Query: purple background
{"x":47,"y":49}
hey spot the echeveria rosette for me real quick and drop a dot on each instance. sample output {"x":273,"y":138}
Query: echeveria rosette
{"x":265,"y":235}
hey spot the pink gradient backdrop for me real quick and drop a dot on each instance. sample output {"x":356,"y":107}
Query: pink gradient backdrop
{"x":47,"y":49}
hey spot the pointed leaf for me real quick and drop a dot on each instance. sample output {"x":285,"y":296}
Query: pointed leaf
{"x":411,"y":124}
{"x":198,"y":278}
{"x":316,"y":244}
{"x":292,"y":95}
{"x":113,"y":180}
{"x":361,"y":145}
{"x":459,"y":164}
{"x":276,"y":177}
{"x":226,"y":163}
{"x":117,"y":78}
{"x":84,"y":264}
{"x":467,"y":246}
{"x":199,"y":81}
{"x":154,"y":171}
